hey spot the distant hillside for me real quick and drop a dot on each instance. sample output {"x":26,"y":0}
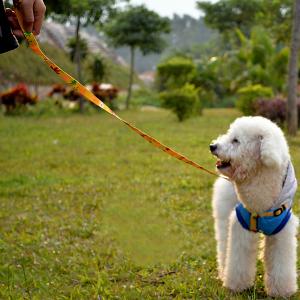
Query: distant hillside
{"x":58,"y":35}
{"x":22,"y":65}
{"x":185,"y":34}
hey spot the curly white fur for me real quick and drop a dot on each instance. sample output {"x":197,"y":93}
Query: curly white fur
{"x":258,"y":155}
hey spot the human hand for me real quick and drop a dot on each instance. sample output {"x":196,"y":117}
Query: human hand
{"x":32,"y":13}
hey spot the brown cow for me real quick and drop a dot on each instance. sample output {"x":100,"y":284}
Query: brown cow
{"x":105,"y":92}
{"x":17,"y":97}
{"x":57,"y":89}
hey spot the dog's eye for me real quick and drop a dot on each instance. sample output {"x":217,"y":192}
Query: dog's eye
{"x":235,"y":141}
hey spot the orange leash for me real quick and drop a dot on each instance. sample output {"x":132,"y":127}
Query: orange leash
{"x":33,"y":44}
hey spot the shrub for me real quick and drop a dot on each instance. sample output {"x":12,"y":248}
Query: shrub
{"x":274,"y":109}
{"x":175,"y":72}
{"x":248,"y":95}
{"x":184,"y":102}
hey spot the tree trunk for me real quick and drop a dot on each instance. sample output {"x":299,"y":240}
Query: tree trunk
{"x":292,"y":112}
{"x":132,"y":53}
{"x":77,"y":57}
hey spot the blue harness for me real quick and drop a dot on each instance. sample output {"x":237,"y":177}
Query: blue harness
{"x":269,"y":223}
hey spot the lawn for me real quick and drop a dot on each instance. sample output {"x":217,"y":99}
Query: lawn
{"x":89,"y":210}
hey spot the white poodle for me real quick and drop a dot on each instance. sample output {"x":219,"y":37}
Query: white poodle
{"x":258,"y":196}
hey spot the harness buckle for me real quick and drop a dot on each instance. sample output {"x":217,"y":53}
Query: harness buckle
{"x":279,"y":211}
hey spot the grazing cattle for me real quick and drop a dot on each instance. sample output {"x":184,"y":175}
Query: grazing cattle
{"x":72,"y":95}
{"x":57,"y":89}
{"x":17,"y":97}
{"x":105,"y":92}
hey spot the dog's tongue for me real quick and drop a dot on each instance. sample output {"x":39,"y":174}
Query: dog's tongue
{"x":219,"y":163}
{"x":222,"y":164}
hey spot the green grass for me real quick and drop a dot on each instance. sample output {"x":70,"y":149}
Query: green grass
{"x":89,"y":210}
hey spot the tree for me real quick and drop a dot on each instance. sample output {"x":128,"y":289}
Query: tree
{"x":226,"y":15}
{"x":138,"y":28}
{"x":276,"y":16}
{"x":82,"y":13}
{"x":98,"y":68}
{"x":292,"y":113}
{"x":83,"y":46}
{"x":187,"y":34}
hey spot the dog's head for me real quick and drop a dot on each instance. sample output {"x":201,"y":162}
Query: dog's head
{"x":250,"y":143}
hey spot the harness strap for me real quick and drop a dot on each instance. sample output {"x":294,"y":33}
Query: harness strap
{"x":253,"y":222}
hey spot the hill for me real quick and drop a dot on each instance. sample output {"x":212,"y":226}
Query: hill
{"x":22,"y":65}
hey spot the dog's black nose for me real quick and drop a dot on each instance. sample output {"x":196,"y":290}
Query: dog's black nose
{"x":213,"y":147}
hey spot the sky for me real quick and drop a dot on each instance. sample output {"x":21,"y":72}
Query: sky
{"x":167,"y":8}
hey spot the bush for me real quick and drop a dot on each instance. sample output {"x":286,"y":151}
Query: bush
{"x":248,"y":95}
{"x":184,"y":102}
{"x":175,"y":72}
{"x":274,"y":109}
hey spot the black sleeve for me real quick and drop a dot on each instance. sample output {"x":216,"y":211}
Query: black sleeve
{"x":7,"y":39}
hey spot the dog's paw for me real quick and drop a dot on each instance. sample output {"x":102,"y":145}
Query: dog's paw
{"x":283,"y":291}
{"x":281,"y":286}
{"x":237,"y":286}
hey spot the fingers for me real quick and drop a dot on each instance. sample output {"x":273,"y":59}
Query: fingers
{"x":39,"y":10}
{"x":14,"y":24}
{"x":25,"y":8}
{"x":32,"y":13}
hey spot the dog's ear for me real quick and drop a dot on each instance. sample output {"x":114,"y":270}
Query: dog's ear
{"x":271,"y":152}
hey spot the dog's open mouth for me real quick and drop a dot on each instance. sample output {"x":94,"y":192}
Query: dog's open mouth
{"x":222,"y":164}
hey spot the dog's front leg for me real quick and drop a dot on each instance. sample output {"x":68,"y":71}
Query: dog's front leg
{"x":280,"y":257}
{"x":224,"y":201}
{"x":241,"y":257}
